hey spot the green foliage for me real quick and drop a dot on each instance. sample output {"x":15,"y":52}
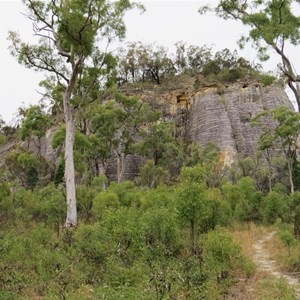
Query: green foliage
{"x":85,"y":197}
{"x":81,"y":147}
{"x":279,"y":288}
{"x":249,"y":207}
{"x":295,"y":212}
{"x":140,"y":62}
{"x":228,"y":67}
{"x":35,"y":124}
{"x":160,"y":145}
{"x":221,"y":257}
{"x":221,"y":254}
{"x":59,"y":173}
{"x":134,"y":244}
{"x":275,"y":207}
{"x":93,"y":243}
{"x":3,"y":139}
{"x":161,"y":231}
{"x":285,"y":135}
{"x":152,"y":175}
{"x":7,"y":209}
{"x":23,"y":166}
{"x":103,"y":202}
{"x":100,"y":183}
{"x":271,"y":24}
{"x":115,"y":128}
{"x":267,"y":79}
{"x":288,"y":239}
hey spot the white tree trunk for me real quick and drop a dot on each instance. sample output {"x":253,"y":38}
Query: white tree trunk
{"x":290,"y":171}
{"x":121,"y":166}
{"x":71,"y":220}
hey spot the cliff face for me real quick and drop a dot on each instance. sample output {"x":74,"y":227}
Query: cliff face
{"x":209,"y":114}
{"x":222,"y":116}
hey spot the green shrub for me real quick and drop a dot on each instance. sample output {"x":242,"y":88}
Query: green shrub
{"x":93,"y":242}
{"x":126,"y":233}
{"x":127,"y":192}
{"x":288,"y":239}
{"x":161,"y":231}
{"x":275,"y":206}
{"x":267,"y":79}
{"x":104,"y":201}
{"x":100,"y":183}
{"x":85,"y":197}
{"x":221,"y":255}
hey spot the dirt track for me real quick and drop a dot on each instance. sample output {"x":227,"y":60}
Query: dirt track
{"x":266,"y":264}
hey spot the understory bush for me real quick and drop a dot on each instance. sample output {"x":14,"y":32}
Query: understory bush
{"x":130,"y":244}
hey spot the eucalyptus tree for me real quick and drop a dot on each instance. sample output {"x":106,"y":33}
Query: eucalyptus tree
{"x":282,"y":137}
{"x":115,"y":127}
{"x":287,"y":132}
{"x":266,"y":141}
{"x":69,"y":35}
{"x":272,"y":24}
{"x":35,"y":125}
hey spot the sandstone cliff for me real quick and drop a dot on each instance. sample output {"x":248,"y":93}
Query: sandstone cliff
{"x":223,"y":116}
{"x":217,"y":113}
{"x":207,"y":113}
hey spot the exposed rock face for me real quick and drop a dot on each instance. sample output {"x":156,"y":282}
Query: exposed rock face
{"x":223,"y":116}
{"x":44,"y":147}
{"x":215,"y":113}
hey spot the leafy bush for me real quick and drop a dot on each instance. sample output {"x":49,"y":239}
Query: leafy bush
{"x":106,"y":200}
{"x":267,"y":79}
{"x":161,"y":232}
{"x":275,"y":206}
{"x":93,"y":242}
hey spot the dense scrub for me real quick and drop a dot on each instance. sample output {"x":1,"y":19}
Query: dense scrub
{"x":155,"y":243}
{"x":131,"y":243}
{"x":163,"y":236}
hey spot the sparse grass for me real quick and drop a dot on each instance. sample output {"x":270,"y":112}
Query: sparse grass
{"x":261,"y":286}
{"x":246,"y":235}
{"x":276,"y":249}
{"x":271,"y":289}
{"x":287,"y":259}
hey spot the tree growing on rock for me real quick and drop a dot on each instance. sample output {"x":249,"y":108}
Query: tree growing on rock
{"x":35,"y":125}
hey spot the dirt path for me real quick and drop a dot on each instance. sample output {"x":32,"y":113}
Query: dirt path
{"x":265,"y":263}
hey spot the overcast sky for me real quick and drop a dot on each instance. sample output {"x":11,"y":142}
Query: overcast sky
{"x":165,"y":22}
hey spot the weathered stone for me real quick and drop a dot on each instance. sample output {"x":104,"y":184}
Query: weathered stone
{"x":213,"y":113}
{"x":224,"y":119}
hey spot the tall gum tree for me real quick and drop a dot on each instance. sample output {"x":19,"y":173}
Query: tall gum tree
{"x":69,"y":33}
{"x":272,"y":24}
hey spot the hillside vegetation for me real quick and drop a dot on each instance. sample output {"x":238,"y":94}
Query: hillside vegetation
{"x":71,"y":228}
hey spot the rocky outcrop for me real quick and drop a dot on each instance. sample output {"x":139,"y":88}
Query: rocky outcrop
{"x":204,"y":114}
{"x":222,"y":116}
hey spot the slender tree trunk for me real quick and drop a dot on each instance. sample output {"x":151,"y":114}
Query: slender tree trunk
{"x":71,"y":220}
{"x":192,"y":223}
{"x":97,"y":168}
{"x":121,"y":166}
{"x":297,"y":223}
{"x":290,"y":171}
{"x":270,"y":173}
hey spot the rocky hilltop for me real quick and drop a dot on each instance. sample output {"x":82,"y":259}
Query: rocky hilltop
{"x":204,"y":113}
